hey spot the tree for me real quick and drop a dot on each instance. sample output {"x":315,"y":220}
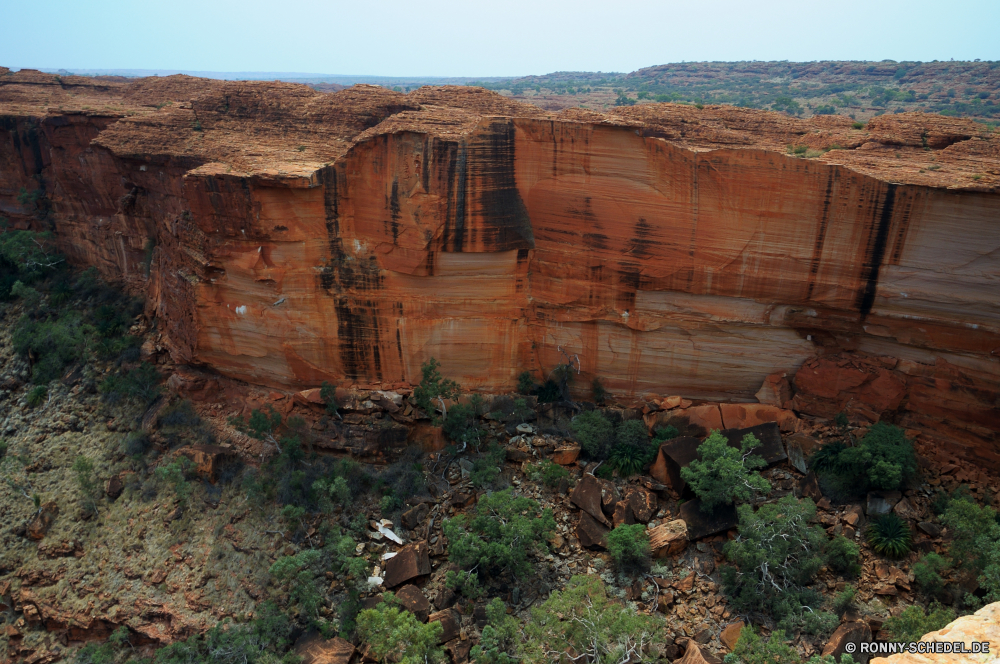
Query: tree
{"x":883,"y":460}
{"x":632,"y":450}
{"x":297,"y":575}
{"x":395,"y":635}
{"x":499,"y":641}
{"x":595,"y":434}
{"x":724,"y":474}
{"x":776,"y":556}
{"x":498,"y":539}
{"x":84,"y":469}
{"x":433,"y":388}
{"x":975,"y":543}
{"x":752,"y":649}
{"x":913,"y":622}
{"x":629,"y":548}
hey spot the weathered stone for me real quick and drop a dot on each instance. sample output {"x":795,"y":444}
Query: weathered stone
{"x":931,"y":529}
{"x":591,"y":533}
{"x":692,"y":654}
{"x":809,"y":487}
{"x":113,"y":487}
{"x":622,"y":514}
{"x":800,"y":447}
{"x":587,"y":496}
{"x":664,"y":600}
{"x":849,"y":632}
{"x":854,"y":516}
{"x":672,"y":456}
{"x":565,"y":455}
{"x":881,"y":502}
{"x":642,"y":502}
{"x":731,"y":634}
{"x":905,"y":510}
{"x":668,"y":539}
{"x":700,"y":524}
{"x":451,"y":623}
{"x":40,"y":523}
{"x":769,"y":434}
{"x":748,"y":415}
{"x":458,"y":650}
{"x":428,"y":437}
{"x":414,"y":516}
{"x":314,"y":649}
{"x":412,"y":561}
{"x":982,"y":626}
{"x":413,"y":600}
{"x":207,"y":459}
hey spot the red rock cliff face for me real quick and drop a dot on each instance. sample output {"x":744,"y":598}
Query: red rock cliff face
{"x":302,"y":237}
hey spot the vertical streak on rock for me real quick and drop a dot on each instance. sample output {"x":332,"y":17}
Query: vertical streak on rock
{"x":694,"y":221}
{"x":902,"y":226}
{"x":460,"y":196}
{"x":821,"y":234}
{"x":875,"y":252}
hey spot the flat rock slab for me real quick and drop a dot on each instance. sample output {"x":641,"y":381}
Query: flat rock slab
{"x":412,"y":561}
{"x":672,"y":456}
{"x":769,"y":434}
{"x":413,"y":600}
{"x":588,"y":496}
{"x":849,"y":632}
{"x":701,"y":524}
{"x":314,"y":649}
{"x":591,"y":533}
{"x":668,"y":539}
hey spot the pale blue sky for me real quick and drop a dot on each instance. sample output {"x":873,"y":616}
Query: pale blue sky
{"x":468,"y":38}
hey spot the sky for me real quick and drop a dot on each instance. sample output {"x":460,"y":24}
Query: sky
{"x":484,"y":37}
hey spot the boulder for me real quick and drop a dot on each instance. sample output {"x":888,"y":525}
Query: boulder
{"x":809,"y":487}
{"x":672,"y":456}
{"x":744,"y":415}
{"x":905,"y":510}
{"x":849,"y":632}
{"x":707,"y":418}
{"x":668,"y":539}
{"x":701,"y":524}
{"x":775,"y":390}
{"x":412,"y":562}
{"x":881,"y":502}
{"x":451,"y":623}
{"x":413,"y":517}
{"x":622,"y":514}
{"x":413,"y":600}
{"x":588,"y":497}
{"x":930,"y":529}
{"x":40,"y":523}
{"x":642,"y":502}
{"x":591,"y":533}
{"x":565,"y":455}
{"x":692,"y":655}
{"x":769,"y":435}
{"x":113,"y":487}
{"x":458,"y":650}
{"x":800,"y":447}
{"x":731,"y":634}
{"x":314,"y":649}
{"x":207,"y":459}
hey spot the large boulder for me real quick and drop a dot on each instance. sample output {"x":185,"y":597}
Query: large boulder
{"x":314,"y":649}
{"x":668,"y":539}
{"x":412,"y":562}
{"x":39,"y":524}
{"x":849,"y":632}
{"x":591,"y":532}
{"x":451,"y":622}
{"x":671,"y":457}
{"x":769,"y":435}
{"x":588,"y":496}
{"x":413,"y":600}
{"x":701,"y":524}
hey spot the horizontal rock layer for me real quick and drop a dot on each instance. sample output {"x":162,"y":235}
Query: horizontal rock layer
{"x":287,"y":237}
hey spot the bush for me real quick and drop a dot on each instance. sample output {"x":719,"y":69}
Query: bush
{"x":883,"y":460}
{"x":486,"y":469}
{"x":138,"y":386}
{"x":668,"y":432}
{"x":581,"y":618}
{"x":55,"y":343}
{"x":551,"y":473}
{"x":37,"y":395}
{"x":723,"y":474}
{"x":752,"y":649}
{"x":329,"y":396}
{"x":433,"y":386}
{"x":913,"y":622}
{"x":498,"y":539}
{"x":262,"y":641}
{"x":889,"y":535}
{"x":595,"y":434}
{"x":84,"y":470}
{"x":927,"y":573}
{"x":525,"y":383}
{"x":629,"y":549}
{"x":175,"y":474}
{"x":843,"y":600}
{"x":976,"y":542}
{"x":395,"y":635}
{"x":842,"y":556}
{"x":776,"y":556}
{"x":597,"y":388}
{"x":500,"y":637}
{"x":632,"y":450}
{"x":135,"y":443}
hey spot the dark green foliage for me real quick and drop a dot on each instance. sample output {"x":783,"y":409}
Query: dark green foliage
{"x":433,"y":387}
{"x":525,"y":383}
{"x":176,"y":475}
{"x":548,"y":392}
{"x":56,"y":342}
{"x":914,"y":622}
{"x":927,"y":573}
{"x":752,"y":649}
{"x":500,"y":638}
{"x":595,"y":434}
{"x":104,"y":653}
{"x":632,"y":450}
{"x":395,"y":635}
{"x":297,"y":575}
{"x":135,"y":443}
{"x":497,"y":540}
{"x":843,"y":600}
{"x":37,"y":395}
{"x":808,"y":622}
{"x":551,"y":473}
{"x":629,"y":549}
{"x":724,"y":474}
{"x":401,"y":480}
{"x":461,"y":425}
{"x":262,"y":424}
{"x":265,"y":640}
{"x":329,"y":396}
{"x":884,"y":459}
{"x":889,"y":535}
{"x":668,"y":432}
{"x":975,"y":543}
{"x":842,"y":556}
{"x":776,"y":556}
{"x":841,"y":420}
{"x":138,"y":386}
{"x":858,"y":125}
{"x":83,"y":468}
{"x":597,"y":389}
{"x":486,"y":469}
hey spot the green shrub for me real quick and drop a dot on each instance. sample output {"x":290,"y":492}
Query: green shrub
{"x":433,"y":387}
{"x":37,"y":395}
{"x":486,"y":469}
{"x":976,"y":542}
{"x":552,"y":473}
{"x":83,"y":468}
{"x":842,"y":556}
{"x":138,"y":386}
{"x":595,"y":434}
{"x":297,"y":575}
{"x":261,"y":641}
{"x":668,"y":432}
{"x":581,"y":618}
{"x":843,"y":600}
{"x":809,"y":622}
{"x":54,"y":342}
{"x":597,"y":389}
{"x":629,"y":549}
{"x":525,"y":383}
{"x":500,"y":637}
{"x":913,"y":622}
{"x":858,"y":125}
{"x":632,"y":450}
{"x":135,"y":443}
{"x":395,"y":635}
{"x":752,"y":649}
{"x":175,"y":474}
{"x":497,"y":540}
{"x":927,"y":573}
{"x":724,"y":474}
{"x":28,"y":295}
{"x":883,"y":460}
{"x":328,"y":394}
{"x":889,"y":535}
{"x":776,"y":556}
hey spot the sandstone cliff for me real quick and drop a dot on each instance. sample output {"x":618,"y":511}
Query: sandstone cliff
{"x":286,"y":236}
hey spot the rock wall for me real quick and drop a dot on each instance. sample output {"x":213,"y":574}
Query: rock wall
{"x":287,"y":237}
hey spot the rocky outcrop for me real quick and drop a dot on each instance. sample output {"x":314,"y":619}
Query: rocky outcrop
{"x":982,"y":626}
{"x":287,"y":237}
